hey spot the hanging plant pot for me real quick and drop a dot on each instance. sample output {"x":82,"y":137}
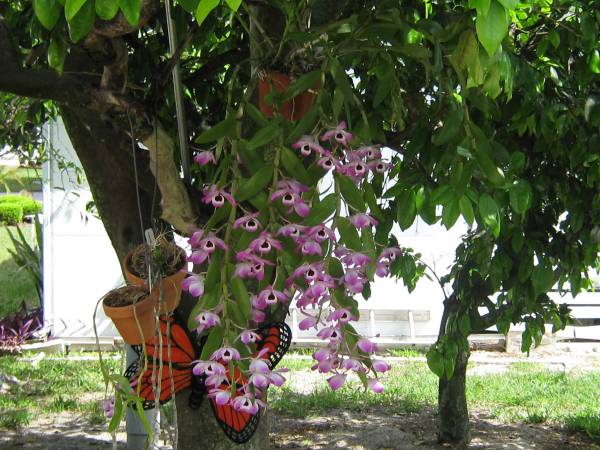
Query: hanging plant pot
{"x":133,"y":311}
{"x":294,"y":109}
{"x":173,"y":261}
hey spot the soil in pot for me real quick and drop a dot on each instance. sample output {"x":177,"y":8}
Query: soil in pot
{"x":123,"y":305}
{"x":166,"y":256}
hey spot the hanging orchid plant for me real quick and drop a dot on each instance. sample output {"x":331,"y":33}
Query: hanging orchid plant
{"x":289,"y":228}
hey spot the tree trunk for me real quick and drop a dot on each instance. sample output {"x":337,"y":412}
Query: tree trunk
{"x":453,"y":412}
{"x":106,"y":156}
{"x":198,"y":429}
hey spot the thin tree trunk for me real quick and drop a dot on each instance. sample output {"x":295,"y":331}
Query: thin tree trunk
{"x":453,"y":413}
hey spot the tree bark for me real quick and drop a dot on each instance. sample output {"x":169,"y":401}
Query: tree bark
{"x":103,"y":152}
{"x":453,"y":413}
{"x":199,"y":429}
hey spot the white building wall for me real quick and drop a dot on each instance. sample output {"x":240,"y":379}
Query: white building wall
{"x":80,"y":264}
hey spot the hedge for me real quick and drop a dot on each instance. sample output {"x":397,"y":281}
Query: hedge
{"x":28,"y":204}
{"x":11,"y":213}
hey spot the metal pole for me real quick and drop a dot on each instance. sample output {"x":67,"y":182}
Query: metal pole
{"x":177,"y":89}
{"x":136,"y":433}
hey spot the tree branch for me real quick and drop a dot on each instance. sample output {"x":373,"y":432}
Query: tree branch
{"x":214,"y":63}
{"x":175,"y":203}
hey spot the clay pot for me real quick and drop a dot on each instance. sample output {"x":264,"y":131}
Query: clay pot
{"x":294,"y":109}
{"x":171,"y":285}
{"x":124,"y":318}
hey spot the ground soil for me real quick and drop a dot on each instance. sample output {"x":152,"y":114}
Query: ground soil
{"x":372,"y":429}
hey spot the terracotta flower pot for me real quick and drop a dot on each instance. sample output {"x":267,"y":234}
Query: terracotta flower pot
{"x":171,"y":285}
{"x":294,"y":109}
{"x":124,"y":318}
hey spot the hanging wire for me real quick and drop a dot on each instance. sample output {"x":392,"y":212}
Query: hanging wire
{"x":177,"y":88}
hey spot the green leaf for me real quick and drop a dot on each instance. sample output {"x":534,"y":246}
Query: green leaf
{"x":131,"y":10}
{"x":349,"y":234}
{"x":488,"y":210}
{"x":189,"y":5}
{"x":47,"y":12}
{"x":213,"y":342}
{"x":435,"y":361}
{"x":294,"y":167}
{"x":57,"y":51}
{"x":233,"y":4}
{"x":240,"y":293}
{"x":107,"y":9}
{"x":254,"y":113}
{"x":406,"y":208}
{"x":542,"y":278}
{"x":467,"y":50}
{"x":594,"y":62}
{"x":509,"y":4}
{"x":204,"y":9}
{"x":81,"y":24}
{"x":72,"y":7}
{"x":520,"y":196}
{"x":321,"y":211}
{"x":304,"y":83}
{"x":482,"y":6}
{"x":258,"y":182}
{"x":466,"y":209}
{"x":117,"y":415}
{"x":492,"y":27}
{"x":450,"y":213}
{"x":351,"y":193}
{"x":341,"y":79}
{"x":305,"y":125}
{"x":223,"y":128}
{"x":264,"y":136}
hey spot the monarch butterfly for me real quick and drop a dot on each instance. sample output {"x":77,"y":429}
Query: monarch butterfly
{"x":174,"y":373}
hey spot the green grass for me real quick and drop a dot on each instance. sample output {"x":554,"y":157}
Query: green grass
{"x":526,"y":394}
{"x":16,"y":285}
{"x":52,"y":386}
{"x":19,"y":179}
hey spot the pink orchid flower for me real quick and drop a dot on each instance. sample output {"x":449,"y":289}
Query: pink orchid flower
{"x":270,"y":296}
{"x":248,"y":222}
{"x":328,"y":162}
{"x":204,"y":157}
{"x":336,"y":381}
{"x":194,"y":284}
{"x":339,"y":133}
{"x":375,"y":385}
{"x":226,"y":354}
{"x":366,"y":345}
{"x":264,"y":243}
{"x":362,"y":220}
{"x":308,"y":144}
{"x":320,"y":233}
{"x":206,"y":319}
{"x":221,"y":396}
{"x":249,"y":337}
{"x":379,"y":365}
{"x":291,"y":230}
{"x":217,"y":196}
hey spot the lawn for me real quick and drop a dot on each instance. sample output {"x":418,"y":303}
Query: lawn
{"x":525,"y":394}
{"x":20,"y":178}
{"x":16,"y":285}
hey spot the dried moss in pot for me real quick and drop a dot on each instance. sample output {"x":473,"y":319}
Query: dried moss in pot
{"x":165,"y":258}
{"x":125,"y":296}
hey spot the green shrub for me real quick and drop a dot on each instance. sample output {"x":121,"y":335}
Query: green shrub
{"x":29,"y":205}
{"x":11,"y":213}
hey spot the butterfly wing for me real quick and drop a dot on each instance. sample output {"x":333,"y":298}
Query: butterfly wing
{"x":174,"y":347}
{"x":240,"y":426}
{"x":277,"y":338}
